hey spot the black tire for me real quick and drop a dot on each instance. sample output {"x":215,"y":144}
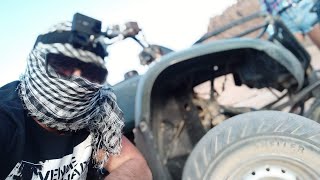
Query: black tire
{"x":258,"y":144}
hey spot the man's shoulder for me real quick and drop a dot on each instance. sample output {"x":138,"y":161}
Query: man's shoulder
{"x":12,"y":127}
{"x":11,"y":109}
{"x":9,"y":91}
{"x":9,"y":97}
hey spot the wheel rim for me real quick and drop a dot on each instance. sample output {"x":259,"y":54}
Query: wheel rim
{"x":269,"y":172}
{"x":272,"y":167}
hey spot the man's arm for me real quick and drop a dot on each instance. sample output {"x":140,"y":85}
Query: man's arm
{"x":130,"y":164}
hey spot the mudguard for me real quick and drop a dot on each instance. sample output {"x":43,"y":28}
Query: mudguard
{"x":126,"y":92}
{"x":203,"y":55}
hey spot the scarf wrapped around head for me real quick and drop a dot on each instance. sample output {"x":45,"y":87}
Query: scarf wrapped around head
{"x":74,"y":104}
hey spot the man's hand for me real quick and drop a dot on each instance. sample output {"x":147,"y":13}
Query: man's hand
{"x":130,"y":164}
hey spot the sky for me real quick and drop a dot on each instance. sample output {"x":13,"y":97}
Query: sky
{"x":175,"y":24}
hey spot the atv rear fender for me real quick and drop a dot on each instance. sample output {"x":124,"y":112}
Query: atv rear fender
{"x":254,"y":62}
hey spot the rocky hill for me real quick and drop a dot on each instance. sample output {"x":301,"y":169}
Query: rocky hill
{"x":237,"y":11}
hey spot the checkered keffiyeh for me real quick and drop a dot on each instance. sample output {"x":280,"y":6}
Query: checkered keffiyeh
{"x":71,"y":105}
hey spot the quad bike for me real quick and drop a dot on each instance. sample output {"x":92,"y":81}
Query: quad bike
{"x":185,"y":136}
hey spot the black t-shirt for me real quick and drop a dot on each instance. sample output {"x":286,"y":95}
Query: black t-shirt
{"x":29,"y":151}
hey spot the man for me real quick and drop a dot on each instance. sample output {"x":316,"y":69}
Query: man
{"x":59,"y":117}
{"x":298,"y":17}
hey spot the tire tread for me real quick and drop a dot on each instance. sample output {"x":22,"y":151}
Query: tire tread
{"x":253,"y":123}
